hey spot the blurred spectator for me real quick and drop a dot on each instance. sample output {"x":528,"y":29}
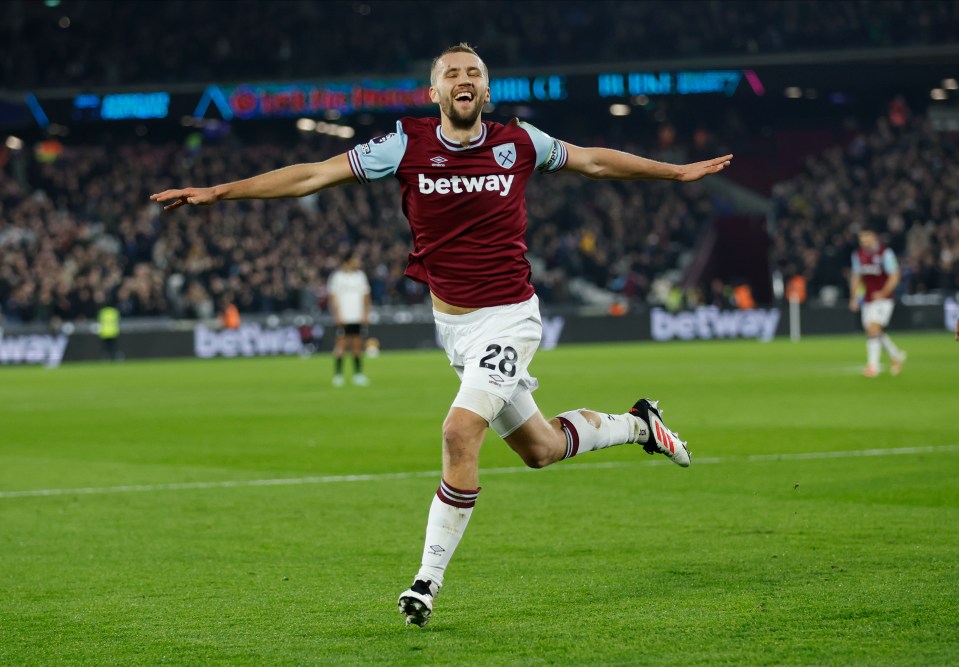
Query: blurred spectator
{"x":108,"y":328}
{"x":743,"y":296}
{"x":230,"y":318}
{"x":796,"y":289}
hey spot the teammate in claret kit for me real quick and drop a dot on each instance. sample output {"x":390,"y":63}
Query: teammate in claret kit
{"x":874,"y":276}
{"x":463,"y":184}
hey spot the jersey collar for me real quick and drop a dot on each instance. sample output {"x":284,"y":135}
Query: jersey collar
{"x":453,"y":146}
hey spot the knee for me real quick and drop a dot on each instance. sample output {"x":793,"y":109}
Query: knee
{"x":536,"y":457}
{"x":454,"y":435}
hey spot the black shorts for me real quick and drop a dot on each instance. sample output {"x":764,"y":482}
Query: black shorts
{"x":350,"y":330}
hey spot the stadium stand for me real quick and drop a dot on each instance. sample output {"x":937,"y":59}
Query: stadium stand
{"x":279,"y":39}
{"x":83,"y":233}
{"x":76,"y":229}
{"x":901,"y":178}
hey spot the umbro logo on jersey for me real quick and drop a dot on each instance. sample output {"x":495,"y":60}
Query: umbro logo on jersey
{"x":505,"y":155}
{"x":460,"y":184}
{"x":439,"y":161}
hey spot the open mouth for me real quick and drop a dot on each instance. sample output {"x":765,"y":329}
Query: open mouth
{"x":463,"y":96}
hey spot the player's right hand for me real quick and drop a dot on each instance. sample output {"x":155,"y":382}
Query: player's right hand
{"x":698,"y":170}
{"x":177,"y":198}
{"x":854,"y":305}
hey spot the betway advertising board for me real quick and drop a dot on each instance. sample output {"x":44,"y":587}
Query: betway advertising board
{"x":32,"y":349}
{"x":250,"y":340}
{"x":259,"y":340}
{"x":710,"y":322}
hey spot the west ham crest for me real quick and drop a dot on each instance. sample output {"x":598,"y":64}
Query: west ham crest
{"x":505,"y":155}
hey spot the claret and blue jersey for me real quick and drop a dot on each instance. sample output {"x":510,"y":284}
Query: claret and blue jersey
{"x":874,"y":267}
{"x":465,"y":204}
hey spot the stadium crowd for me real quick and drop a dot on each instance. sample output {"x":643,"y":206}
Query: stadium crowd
{"x":276,"y":40}
{"x":80,"y":233}
{"x":77,"y":230}
{"x":901,"y":179}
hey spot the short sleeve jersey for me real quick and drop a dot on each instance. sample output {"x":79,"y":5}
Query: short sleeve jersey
{"x":350,"y":289}
{"x":874,"y":267}
{"x":466,"y":205}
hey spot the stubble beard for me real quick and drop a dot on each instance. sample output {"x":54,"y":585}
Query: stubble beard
{"x":462,"y":121}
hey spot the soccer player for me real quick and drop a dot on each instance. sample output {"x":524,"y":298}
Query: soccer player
{"x":463,"y":181}
{"x":350,"y":304}
{"x":876,"y":271}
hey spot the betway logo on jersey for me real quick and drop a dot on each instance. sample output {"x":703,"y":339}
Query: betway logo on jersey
{"x":711,"y":322}
{"x":247,"y":341}
{"x":459,"y":184}
{"x":46,"y":350}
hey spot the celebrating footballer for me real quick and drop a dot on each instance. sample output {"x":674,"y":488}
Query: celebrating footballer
{"x":463,"y":184}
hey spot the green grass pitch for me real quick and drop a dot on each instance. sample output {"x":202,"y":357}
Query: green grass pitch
{"x":818,"y":524}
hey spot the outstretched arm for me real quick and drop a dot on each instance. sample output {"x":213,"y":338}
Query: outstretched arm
{"x":294,"y":181}
{"x":607,"y":163}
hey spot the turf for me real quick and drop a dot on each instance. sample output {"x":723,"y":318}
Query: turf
{"x":820,"y":556}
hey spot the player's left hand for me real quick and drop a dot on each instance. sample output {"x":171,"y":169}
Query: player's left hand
{"x":193,"y":196}
{"x":697,"y":170}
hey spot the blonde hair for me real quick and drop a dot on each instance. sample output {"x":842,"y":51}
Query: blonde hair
{"x":462,"y":47}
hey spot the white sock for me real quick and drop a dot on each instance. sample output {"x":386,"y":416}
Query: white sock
{"x":890,"y":347}
{"x":873,"y":350}
{"x":583,"y":436}
{"x":449,"y":515}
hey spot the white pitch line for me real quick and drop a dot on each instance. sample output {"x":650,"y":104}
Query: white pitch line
{"x":283,"y":481}
{"x":376,"y":477}
{"x":900,"y":451}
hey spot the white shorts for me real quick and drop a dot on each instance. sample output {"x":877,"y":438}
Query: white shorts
{"x":491,"y":349}
{"x":878,"y":311}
